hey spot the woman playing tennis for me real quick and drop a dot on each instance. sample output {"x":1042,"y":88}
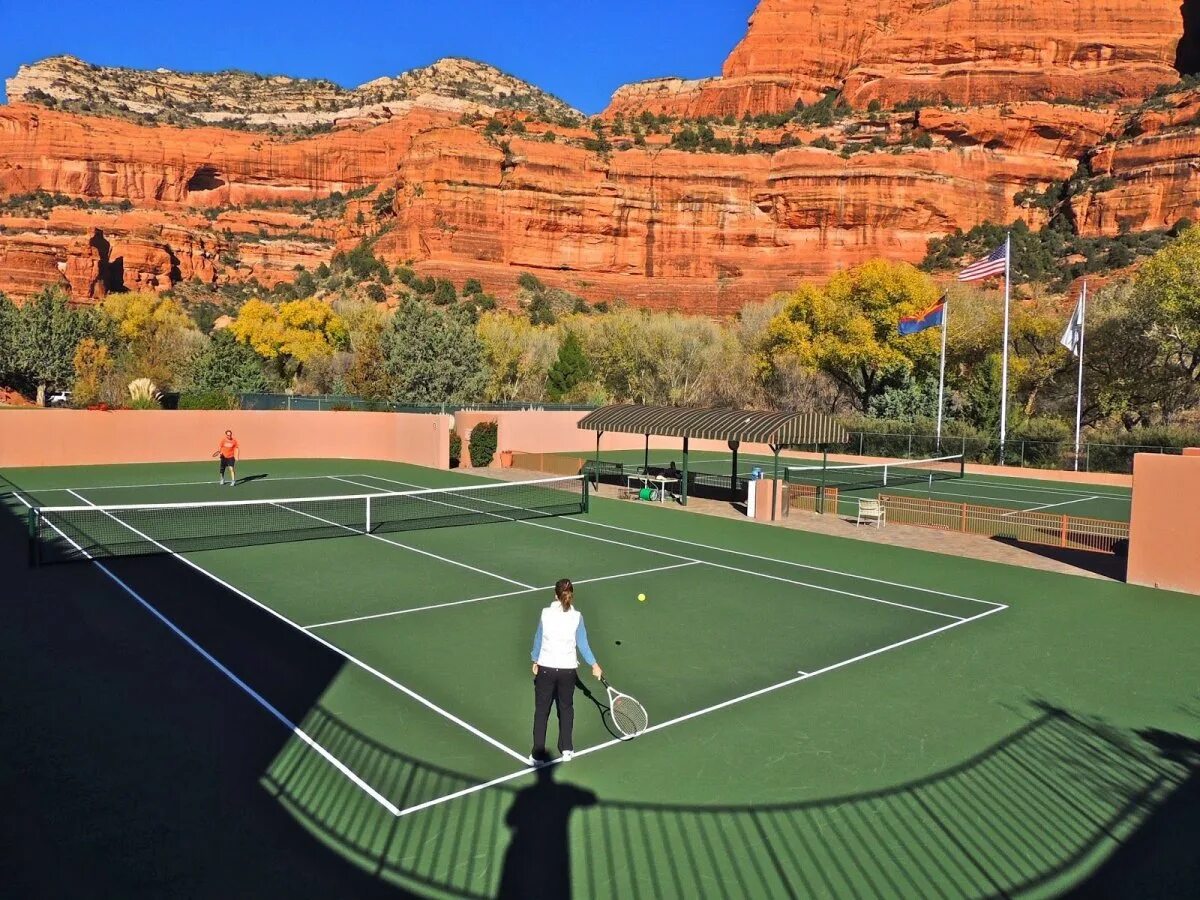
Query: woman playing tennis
{"x":559,"y":634}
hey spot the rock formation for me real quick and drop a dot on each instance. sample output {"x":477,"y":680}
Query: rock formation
{"x":958,"y":50}
{"x":468,"y":173}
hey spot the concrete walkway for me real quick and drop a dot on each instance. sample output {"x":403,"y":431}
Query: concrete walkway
{"x":1048,"y":559}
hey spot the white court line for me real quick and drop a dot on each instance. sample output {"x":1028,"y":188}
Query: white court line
{"x":1124,"y":495}
{"x":818,"y":587}
{"x":801,"y":676}
{"x":1046,"y":506}
{"x":228,"y":673}
{"x":113,"y":487}
{"x":771,"y":559}
{"x":404,"y":612}
{"x":444,"y":559}
{"x":324,"y":643}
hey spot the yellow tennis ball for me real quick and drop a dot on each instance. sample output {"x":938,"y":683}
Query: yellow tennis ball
{"x":641,"y":598}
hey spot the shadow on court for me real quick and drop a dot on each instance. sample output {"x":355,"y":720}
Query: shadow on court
{"x":537,"y":862}
{"x":247,"y":479}
{"x":133,"y":766}
{"x":1107,"y":565}
{"x":130,"y":765}
{"x":1037,"y":810}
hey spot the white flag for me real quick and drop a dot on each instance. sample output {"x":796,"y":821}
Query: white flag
{"x":1073,"y":336}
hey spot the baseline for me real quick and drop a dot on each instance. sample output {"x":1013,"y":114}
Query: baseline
{"x":333,"y":647}
{"x":232,"y":676}
{"x":801,"y":676}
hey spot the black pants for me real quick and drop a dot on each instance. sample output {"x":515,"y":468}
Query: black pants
{"x":227,"y":462}
{"x":553,"y":686}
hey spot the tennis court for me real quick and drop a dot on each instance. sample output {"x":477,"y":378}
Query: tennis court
{"x":1092,"y":501}
{"x":385,"y":600}
{"x":757,"y":649}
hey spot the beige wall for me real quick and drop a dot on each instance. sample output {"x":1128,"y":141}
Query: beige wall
{"x":51,"y":437}
{"x":1164,"y":529}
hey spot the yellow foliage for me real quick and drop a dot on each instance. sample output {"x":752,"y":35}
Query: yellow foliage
{"x":299,"y":329}
{"x":849,"y":328}
{"x":140,"y":316}
{"x":93,"y":363}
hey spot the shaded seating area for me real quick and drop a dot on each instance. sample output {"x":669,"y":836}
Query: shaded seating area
{"x":777,"y":430}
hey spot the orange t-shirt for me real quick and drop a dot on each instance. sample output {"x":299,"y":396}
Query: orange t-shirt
{"x":228,"y":447}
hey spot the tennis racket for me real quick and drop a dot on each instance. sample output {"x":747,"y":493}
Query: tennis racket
{"x":627,"y":714}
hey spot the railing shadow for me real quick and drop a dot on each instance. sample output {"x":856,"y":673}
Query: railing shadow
{"x":1048,"y":803}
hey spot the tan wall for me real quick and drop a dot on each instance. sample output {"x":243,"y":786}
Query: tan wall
{"x":542,"y":431}
{"x":46,"y":437}
{"x":1164,"y":528}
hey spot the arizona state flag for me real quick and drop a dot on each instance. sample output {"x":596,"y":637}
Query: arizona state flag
{"x":927,"y":319}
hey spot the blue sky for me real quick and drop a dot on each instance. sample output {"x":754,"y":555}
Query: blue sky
{"x":579,"y":51}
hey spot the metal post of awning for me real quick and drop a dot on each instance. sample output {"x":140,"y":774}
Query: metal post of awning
{"x":733,"y":472}
{"x":683,"y":484}
{"x":774,"y":480}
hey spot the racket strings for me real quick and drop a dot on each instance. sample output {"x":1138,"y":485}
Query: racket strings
{"x":629,"y":716}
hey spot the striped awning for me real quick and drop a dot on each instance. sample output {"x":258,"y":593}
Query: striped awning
{"x":778,"y":428}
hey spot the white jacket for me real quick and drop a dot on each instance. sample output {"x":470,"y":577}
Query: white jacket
{"x":559,"y":634}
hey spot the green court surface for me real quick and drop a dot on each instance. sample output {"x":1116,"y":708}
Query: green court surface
{"x":1013,"y":492}
{"x":828,"y":717}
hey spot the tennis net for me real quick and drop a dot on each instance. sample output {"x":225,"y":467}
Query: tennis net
{"x":865,"y":476}
{"x":65,"y":533}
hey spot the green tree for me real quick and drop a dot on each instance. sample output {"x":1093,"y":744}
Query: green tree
{"x":848,"y":329}
{"x":432,"y":357}
{"x":569,"y":370}
{"x":9,"y":317}
{"x":228,"y":366}
{"x":44,"y":341}
{"x":1167,"y":288}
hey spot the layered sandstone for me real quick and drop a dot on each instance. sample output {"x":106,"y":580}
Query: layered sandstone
{"x":961,"y":51}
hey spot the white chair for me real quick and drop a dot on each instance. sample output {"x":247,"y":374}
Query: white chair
{"x":871,"y":509}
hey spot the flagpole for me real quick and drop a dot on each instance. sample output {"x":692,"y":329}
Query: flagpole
{"x":1004,"y":374}
{"x":1079,"y":388}
{"x":942,"y":375}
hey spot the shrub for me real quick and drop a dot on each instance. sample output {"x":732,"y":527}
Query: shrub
{"x":455,"y":448}
{"x":483,"y":443}
{"x":207,"y":400}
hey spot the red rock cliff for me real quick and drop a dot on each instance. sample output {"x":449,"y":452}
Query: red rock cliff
{"x":966,"y":51}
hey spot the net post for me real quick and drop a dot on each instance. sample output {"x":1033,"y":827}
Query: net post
{"x":367,"y":517}
{"x":34,"y":554}
{"x":586,"y":495}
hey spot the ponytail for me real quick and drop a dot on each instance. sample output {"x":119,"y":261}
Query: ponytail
{"x":564,"y":592}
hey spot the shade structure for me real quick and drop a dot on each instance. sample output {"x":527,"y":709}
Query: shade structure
{"x":780,"y":429}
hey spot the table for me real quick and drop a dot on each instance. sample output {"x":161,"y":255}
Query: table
{"x":659,"y":483}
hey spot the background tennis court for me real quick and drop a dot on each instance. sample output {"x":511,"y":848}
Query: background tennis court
{"x":1093,"y":501}
{"x":399,"y":690}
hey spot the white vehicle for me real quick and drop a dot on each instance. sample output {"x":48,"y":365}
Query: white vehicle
{"x":60,"y":398}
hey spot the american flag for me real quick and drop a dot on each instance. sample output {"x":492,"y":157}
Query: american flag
{"x":993,"y":264}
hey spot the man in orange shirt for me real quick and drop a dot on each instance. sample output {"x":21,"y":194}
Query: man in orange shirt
{"x":227,"y":450}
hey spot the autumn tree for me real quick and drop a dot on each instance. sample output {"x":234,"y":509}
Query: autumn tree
{"x":153,"y":336}
{"x":291,"y":333}
{"x":848,"y":329}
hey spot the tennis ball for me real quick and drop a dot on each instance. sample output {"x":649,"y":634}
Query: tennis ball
{"x":641,"y":598}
